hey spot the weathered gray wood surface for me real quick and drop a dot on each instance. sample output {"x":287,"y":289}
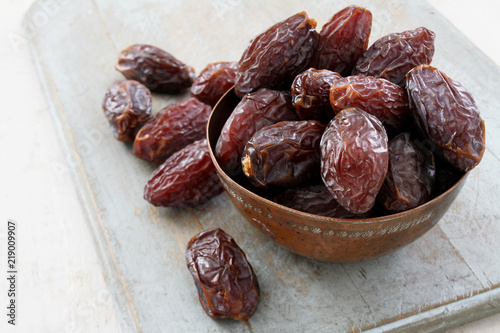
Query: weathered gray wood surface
{"x":449,"y":276}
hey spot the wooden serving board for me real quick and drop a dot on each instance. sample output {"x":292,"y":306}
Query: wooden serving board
{"x":449,"y":276}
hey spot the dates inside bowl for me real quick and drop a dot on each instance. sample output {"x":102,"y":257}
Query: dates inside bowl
{"x":320,"y":237}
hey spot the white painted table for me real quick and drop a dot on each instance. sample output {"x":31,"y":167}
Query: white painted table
{"x":62,"y":282}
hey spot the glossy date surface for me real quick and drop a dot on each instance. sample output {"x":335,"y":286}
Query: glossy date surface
{"x":343,"y":39}
{"x":311,"y":94}
{"x":213,"y":81}
{"x":394,"y":55}
{"x":273,"y":58}
{"x":379,"y":97}
{"x":255,"y":111}
{"x":127,"y":106}
{"x":284,"y":154}
{"x":226,"y":282}
{"x":187,"y":178}
{"x":354,"y":159}
{"x":171,"y":129}
{"x":410,"y":178}
{"x":157,"y":69}
{"x":447,"y":114}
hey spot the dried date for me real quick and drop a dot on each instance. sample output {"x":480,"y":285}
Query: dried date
{"x":187,"y":178}
{"x":447,"y":114}
{"x":381,"y":98}
{"x":273,"y":58}
{"x":311,"y":94}
{"x":354,"y":159}
{"x":157,"y":69}
{"x":343,"y":39}
{"x":214,"y":80}
{"x":171,"y":129}
{"x":226,"y":282}
{"x":314,"y":199}
{"x":255,"y":111}
{"x":393,"y":55}
{"x":127,"y":106}
{"x":284,"y":154}
{"x":410,"y":178}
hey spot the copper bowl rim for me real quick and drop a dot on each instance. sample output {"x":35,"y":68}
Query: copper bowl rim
{"x":309,"y":216}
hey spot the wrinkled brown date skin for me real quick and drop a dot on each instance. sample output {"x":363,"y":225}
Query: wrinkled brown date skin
{"x":171,"y":129}
{"x":314,"y":199}
{"x":214,"y":80}
{"x":284,"y":154}
{"x":273,"y":58}
{"x":343,"y":39}
{"x":256,"y":110}
{"x":226,"y":282}
{"x":410,"y":178}
{"x":383,"y":99}
{"x":354,"y":159}
{"x":127,"y":106}
{"x":446,"y":113}
{"x":157,"y":69}
{"x":393,"y":55}
{"x":187,"y":178}
{"x":311,"y":94}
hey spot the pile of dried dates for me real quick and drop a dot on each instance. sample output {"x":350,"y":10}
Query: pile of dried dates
{"x":175,"y":136}
{"x":332,"y":127}
{"x":325,"y":125}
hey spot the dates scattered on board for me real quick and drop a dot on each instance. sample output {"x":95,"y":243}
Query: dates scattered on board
{"x":171,"y":129}
{"x":393,"y":55}
{"x":383,"y":99}
{"x":273,"y":58}
{"x":284,"y":154}
{"x":256,"y":110}
{"x":410,"y":178}
{"x":157,"y":69}
{"x":187,"y":178}
{"x":343,"y":39}
{"x":127,"y":106}
{"x":226,"y":282}
{"x":447,"y":114}
{"x":311,"y":94}
{"x":291,"y":72}
{"x":354,"y":159}
{"x":213,"y":81}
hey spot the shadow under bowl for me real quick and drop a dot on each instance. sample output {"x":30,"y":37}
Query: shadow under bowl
{"x":325,"y":238}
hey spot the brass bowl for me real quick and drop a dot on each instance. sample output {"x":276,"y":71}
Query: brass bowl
{"x":324,"y":238}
